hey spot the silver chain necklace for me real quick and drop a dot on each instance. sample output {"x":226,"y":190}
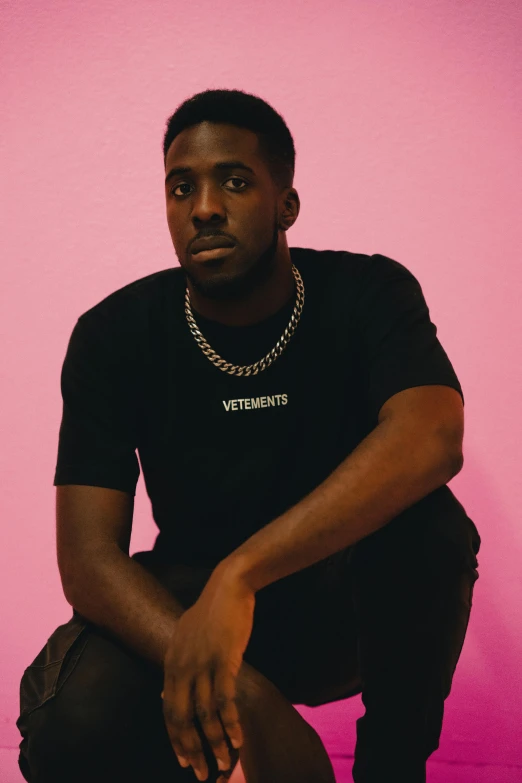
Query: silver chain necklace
{"x":266,"y":361}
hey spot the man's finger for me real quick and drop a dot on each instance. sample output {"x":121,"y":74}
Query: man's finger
{"x":178,"y":709}
{"x":225,"y":696}
{"x":206,"y":710}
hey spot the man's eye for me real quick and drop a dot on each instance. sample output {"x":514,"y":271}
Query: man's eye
{"x":182,"y":184}
{"x":237,"y":179}
{"x":173,"y":190}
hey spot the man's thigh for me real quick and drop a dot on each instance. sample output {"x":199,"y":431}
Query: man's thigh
{"x":303,"y":637}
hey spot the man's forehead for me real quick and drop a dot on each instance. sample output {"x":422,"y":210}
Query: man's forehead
{"x":208,"y":143}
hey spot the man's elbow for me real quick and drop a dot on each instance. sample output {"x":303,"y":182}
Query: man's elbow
{"x":447,"y":455}
{"x":455,"y":462}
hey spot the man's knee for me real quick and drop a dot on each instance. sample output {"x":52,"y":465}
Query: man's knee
{"x":252,"y":688}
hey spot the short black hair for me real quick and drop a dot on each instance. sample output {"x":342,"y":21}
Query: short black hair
{"x":245,"y":111}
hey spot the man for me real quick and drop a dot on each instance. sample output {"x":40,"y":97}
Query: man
{"x":297,"y":421}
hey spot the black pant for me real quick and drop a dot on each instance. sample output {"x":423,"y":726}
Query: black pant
{"x":386,"y":617}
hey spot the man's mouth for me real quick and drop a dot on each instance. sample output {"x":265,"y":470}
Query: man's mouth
{"x":210,"y":243}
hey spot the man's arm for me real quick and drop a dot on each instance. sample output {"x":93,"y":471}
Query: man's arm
{"x":99,"y":578}
{"x":416,"y":448}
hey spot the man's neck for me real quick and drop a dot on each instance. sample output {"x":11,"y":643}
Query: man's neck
{"x":265,"y":300}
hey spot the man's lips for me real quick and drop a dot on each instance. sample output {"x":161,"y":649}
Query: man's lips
{"x":215,"y":252}
{"x":210,"y":243}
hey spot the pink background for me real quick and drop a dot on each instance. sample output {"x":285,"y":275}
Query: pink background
{"x":407,"y":124}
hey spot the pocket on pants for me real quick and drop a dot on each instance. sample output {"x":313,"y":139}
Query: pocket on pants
{"x":44,"y":677}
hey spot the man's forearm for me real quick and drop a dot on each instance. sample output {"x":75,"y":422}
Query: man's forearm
{"x":391,"y":469}
{"x":122,"y":597}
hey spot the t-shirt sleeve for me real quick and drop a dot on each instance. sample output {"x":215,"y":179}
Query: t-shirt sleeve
{"x":97,"y":441}
{"x":399,"y":343}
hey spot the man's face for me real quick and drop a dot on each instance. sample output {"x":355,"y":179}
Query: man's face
{"x":234,"y":203}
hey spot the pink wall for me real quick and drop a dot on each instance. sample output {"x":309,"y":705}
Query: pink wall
{"x":407,"y":124}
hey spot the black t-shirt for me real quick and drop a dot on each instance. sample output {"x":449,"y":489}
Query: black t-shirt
{"x":223,"y":455}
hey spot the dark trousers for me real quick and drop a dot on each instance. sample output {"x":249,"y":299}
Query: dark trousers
{"x":386,"y":618}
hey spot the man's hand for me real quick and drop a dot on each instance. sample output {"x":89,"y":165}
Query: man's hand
{"x":201,"y":666}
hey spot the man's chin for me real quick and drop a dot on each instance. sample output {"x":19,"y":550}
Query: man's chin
{"x":220,"y":285}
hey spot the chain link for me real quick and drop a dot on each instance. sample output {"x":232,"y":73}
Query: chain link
{"x":266,"y":361}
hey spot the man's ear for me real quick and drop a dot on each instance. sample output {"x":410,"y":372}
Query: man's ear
{"x":291,"y":211}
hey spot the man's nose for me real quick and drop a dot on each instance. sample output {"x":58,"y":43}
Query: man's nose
{"x":208,"y":205}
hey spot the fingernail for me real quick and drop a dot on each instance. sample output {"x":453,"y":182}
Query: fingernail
{"x":235,"y":743}
{"x":199,"y":774}
{"x":183,"y":761}
{"x":222,"y":765}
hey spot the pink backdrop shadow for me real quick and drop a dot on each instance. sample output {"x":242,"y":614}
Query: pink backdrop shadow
{"x":406,"y":119}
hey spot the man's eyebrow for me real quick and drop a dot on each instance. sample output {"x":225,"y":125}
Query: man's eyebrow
{"x":224,"y":164}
